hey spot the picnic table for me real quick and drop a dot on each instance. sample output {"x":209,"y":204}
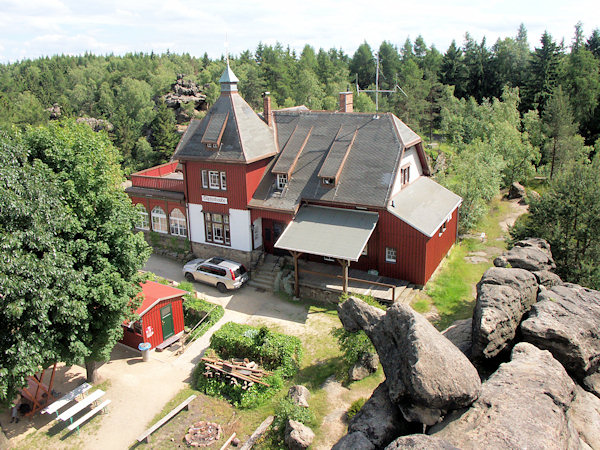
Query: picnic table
{"x":69,"y":413}
{"x":66,"y":399}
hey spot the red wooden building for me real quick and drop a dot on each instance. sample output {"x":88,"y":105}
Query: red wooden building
{"x":161,"y":316}
{"x":251,"y":183}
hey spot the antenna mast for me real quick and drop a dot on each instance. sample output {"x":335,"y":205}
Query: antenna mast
{"x":377,"y":90}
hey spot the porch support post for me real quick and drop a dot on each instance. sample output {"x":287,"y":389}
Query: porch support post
{"x":345,"y":263}
{"x":296,"y":255}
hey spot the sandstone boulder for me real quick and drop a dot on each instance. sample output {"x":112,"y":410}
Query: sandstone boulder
{"x":460,"y":333}
{"x":530,"y":254}
{"x":592,"y":383}
{"x":516,"y":190}
{"x":566,"y":321}
{"x":354,"y":441}
{"x":297,"y":435}
{"x":420,"y":442}
{"x":546,"y":278}
{"x":365,"y":366}
{"x":523,"y":404}
{"x":379,"y":420}
{"x":299,"y":395}
{"x":584,"y":415}
{"x":503,"y":296}
{"x":426,"y":374}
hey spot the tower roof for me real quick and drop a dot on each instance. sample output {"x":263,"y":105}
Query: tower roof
{"x":228,"y":80}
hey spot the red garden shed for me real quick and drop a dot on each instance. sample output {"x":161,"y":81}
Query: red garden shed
{"x":161,"y":316}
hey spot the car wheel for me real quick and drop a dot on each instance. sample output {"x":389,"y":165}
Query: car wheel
{"x":189,"y":276}
{"x":222,"y":288}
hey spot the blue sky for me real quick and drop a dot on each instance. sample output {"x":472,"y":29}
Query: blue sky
{"x":33,"y":28}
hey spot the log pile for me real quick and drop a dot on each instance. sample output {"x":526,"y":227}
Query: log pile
{"x":239,"y":372}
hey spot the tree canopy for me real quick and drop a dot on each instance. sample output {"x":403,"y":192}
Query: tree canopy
{"x":69,"y":258}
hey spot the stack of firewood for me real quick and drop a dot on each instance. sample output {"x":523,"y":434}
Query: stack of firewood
{"x":239,"y":372}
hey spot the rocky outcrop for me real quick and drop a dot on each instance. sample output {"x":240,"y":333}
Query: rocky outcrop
{"x":365,"y":366}
{"x":354,"y":441}
{"x":516,"y":190}
{"x":546,"y":278}
{"x":531,"y":254}
{"x":425,"y":373}
{"x":420,"y":442}
{"x":379,"y":420}
{"x":297,"y":435}
{"x":299,"y":395}
{"x":184,"y":92}
{"x":55,"y":111}
{"x":523,"y":404}
{"x":460,"y":333}
{"x":503,"y":297}
{"x":96,"y":124}
{"x":584,"y":415}
{"x":592,"y":383}
{"x":566,"y":321}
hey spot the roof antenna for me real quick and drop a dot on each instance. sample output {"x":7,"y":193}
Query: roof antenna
{"x":226,"y":49}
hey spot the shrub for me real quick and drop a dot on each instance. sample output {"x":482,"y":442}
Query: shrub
{"x":187,"y":286}
{"x":286,"y":410}
{"x":196,"y":309}
{"x":273,"y":351}
{"x":355,"y":408}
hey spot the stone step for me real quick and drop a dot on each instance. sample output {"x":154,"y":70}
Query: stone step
{"x":261,"y":284}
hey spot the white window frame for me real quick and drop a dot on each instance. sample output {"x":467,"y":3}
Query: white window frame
{"x":159,"y":220}
{"x":205,"y":179}
{"x":143,"y":219}
{"x":178,"y":223}
{"x":223,"y":181}
{"x":217,"y":231}
{"x":390,"y":255}
{"x":214,"y":181}
{"x":282,"y":180}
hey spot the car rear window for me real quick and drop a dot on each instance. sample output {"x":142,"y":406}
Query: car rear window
{"x":239,"y":271}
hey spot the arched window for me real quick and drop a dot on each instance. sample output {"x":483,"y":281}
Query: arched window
{"x":143,"y":222}
{"x":177,"y":222}
{"x":159,"y":220}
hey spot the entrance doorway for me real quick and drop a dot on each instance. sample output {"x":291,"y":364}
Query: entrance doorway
{"x":166,"y":317}
{"x":272,"y":229}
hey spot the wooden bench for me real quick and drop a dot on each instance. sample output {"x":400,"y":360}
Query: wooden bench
{"x":88,"y":416}
{"x":69,"y":413}
{"x":66,"y":399}
{"x":183,"y":405}
{"x":168,"y":342}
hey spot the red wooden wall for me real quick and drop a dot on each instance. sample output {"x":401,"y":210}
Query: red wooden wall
{"x":236,"y":184}
{"x":438,"y":246}
{"x":254,"y":173}
{"x":152,"y":319}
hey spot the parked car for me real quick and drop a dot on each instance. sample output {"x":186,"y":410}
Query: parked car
{"x":222,"y":273}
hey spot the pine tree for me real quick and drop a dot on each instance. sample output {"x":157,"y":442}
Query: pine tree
{"x":544,"y":71}
{"x":164,"y":133}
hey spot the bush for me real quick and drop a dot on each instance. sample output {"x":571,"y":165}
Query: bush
{"x":286,"y":410}
{"x":196,"y":309}
{"x":273,"y":351}
{"x":355,"y":408}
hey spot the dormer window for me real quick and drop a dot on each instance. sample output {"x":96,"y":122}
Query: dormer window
{"x":405,"y":175}
{"x":282,"y":180}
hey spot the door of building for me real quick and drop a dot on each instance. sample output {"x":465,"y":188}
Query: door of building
{"x":271,"y":232}
{"x":166,"y":317}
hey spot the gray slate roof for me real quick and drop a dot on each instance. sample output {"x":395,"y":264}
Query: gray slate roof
{"x":424,"y":205}
{"x":246,"y":137}
{"x":332,"y":232}
{"x":367,"y":175}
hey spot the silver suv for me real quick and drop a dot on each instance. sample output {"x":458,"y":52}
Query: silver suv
{"x":219,"y":272}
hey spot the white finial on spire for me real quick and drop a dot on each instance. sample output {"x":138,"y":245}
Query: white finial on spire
{"x":226,"y":49}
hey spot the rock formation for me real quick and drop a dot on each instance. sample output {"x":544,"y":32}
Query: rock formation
{"x":426,"y":374}
{"x":365,"y":366}
{"x":543,"y":397}
{"x":297,"y":435}
{"x":299,"y":395}
{"x":184,"y":92}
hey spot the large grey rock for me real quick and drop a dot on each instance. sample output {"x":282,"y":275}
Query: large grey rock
{"x":592,"y":383}
{"x":365,"y":366}
{"x":379,"y":419}
{"x":420,"y":442}
{"x":354,"y":441}
{"x":546,"y":278}
{"x":523,"y":404}
{"x":503,"y":296}
{"x":297,"y":435}
{"x":425,"y":373}
{"x":460,"y":333}
{"x":516,"y":190}
{"x":584,"y":415}
{"x":530,"y":254}
{"x":299,"y":395}
{"x":566,"y":321}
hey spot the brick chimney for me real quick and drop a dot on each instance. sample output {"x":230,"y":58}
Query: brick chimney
{"x":267,"y":112}
{"x":346,"y":102}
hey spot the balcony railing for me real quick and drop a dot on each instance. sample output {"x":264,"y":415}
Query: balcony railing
{"x":158,"y":178}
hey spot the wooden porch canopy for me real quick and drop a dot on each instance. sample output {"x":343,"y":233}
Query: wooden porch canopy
{"x":340,"y":234}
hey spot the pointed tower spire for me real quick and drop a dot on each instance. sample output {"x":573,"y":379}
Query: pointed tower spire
{"x":228,"y":80}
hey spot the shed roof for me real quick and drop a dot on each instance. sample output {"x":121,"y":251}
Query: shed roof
{"x":154,"y":293}
{"x":331,"y":232}
{"x":424,"y":205}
